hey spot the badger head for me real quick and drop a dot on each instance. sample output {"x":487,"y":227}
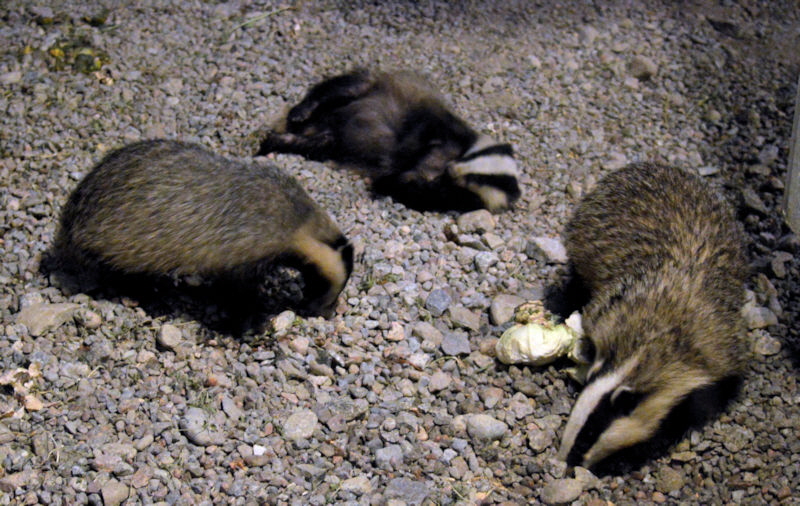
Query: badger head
{"x":488,"y":170}
{"x":625,"y":404}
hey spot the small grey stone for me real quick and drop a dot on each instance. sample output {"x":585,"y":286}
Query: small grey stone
{"x":11,"y":77}
{"x":13,"y":481}
{"x":88,"y":319}
{"x":765,"y":344}
{"x":617,"y":160}
{"x":777,"y":263}
{"x":39,"y":318}
{"x":437,"y":302}
{"x":389,"y":457}
{"x":413,"y":493}
{"x":587,"y":34}
{"x":668,"y":480}
{"x":463,"y":317}
{"x":707,"y":170}
{"x":484,"y":260}
{"x":753,"y":201}
{"x":502,"y":308}
{"x":173,"y":85}
{"x":586,"y":477}
{"x":439,"y":381}
{"x":643,"y":68}
{"x":199,"y":429}
{"x":358,"y":485}
{"x":300,"y":425}
{"x":231,"y":409}
{"x":492,"y":241}
{"x":555,"y":467}
{"x":430,"y":335}
{"x":540,"y":440}
{"x":283,"y":321}
{"x":455,"y":343}
{"x":31,"y":299}
{"x":419,"y":360}
{"x":42,"y":444}
{"x":476,"y":222}
{"x":736,"y":438}
{"x":547,"y":249}
{"x":491,"y":396}
{"x":758,"y":317}
{"x":561,"y":491}
{"x":114,"y":493}
{"x":169,"y":337}
{"x":485,"y":427}
{"x":768,"y":154}
{"x":470,"y":242}
{"x":458,"y":467}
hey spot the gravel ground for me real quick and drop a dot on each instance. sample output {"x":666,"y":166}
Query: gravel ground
{"x":397,"y":399}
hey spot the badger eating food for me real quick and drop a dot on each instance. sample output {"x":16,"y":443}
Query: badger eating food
{"x":398,"y":131}
{"x":663,"y":261}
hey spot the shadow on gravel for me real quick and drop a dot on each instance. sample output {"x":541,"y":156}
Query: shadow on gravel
{"x":566,"y":295}
{"x":222,"y":305}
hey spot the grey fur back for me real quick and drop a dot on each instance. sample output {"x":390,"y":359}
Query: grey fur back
{"x":165,"y":206}
{"x":663,"y":258}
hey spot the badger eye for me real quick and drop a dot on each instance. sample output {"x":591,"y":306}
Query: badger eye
{"x":625,"y":399}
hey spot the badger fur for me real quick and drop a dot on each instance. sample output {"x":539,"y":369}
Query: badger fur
{"x":163,"y":208}
{"x":398,"y":131}
{"x":663,"y":261}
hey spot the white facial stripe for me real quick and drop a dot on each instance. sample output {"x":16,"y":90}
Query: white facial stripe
{"x":492,"y":198}
{"x":587,"y":402}
{"x":489,"y":165}
{"x":483,"y":142}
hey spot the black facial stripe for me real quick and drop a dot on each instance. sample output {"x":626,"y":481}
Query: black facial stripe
{"x":599,"y":420}
{"x":338,"y":242}
{"x":347,"y":258}
{"x":497,"y":149}
{"x":504,"y":182}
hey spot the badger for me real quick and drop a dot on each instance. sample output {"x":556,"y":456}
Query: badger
{"x":663,"y":261}
{"x":398,"y":131}
{"x":169,"y":208}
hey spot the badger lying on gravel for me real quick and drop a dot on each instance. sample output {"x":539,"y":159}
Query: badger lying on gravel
{"x":398,"y":131}
{"x":663,"y":261}
{"x":170,"y":208}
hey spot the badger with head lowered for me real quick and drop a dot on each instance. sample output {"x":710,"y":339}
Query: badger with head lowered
{"x":663,"y":261}
{"x":166,"y":208}
{"x":397,"y":129}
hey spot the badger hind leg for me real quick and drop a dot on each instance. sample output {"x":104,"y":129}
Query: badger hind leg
{"x":325,"y":267}
{"x":327,"y":96}
{"x":318,"y":146}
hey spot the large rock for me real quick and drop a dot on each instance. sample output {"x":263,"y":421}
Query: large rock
{"x":300,"y":425}
{"x":562,"y":491}
{"x":200,"y":429}
{"x":437,"y":302}
{"x":476,"y":222}
{"x":502,"y":308}
{"x":547,"y":249}
{"x":463,"y":317}
{"x":643,"y":68}
{"x":39,"y":318}
{"x":485,"y":427}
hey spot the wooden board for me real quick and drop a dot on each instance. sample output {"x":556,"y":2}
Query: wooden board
{"x":791,"y":205}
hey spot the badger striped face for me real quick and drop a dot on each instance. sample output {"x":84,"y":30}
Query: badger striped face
{"x":625,"y":406}
{"x":604,"y":399}
{"x":488,"y":169}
